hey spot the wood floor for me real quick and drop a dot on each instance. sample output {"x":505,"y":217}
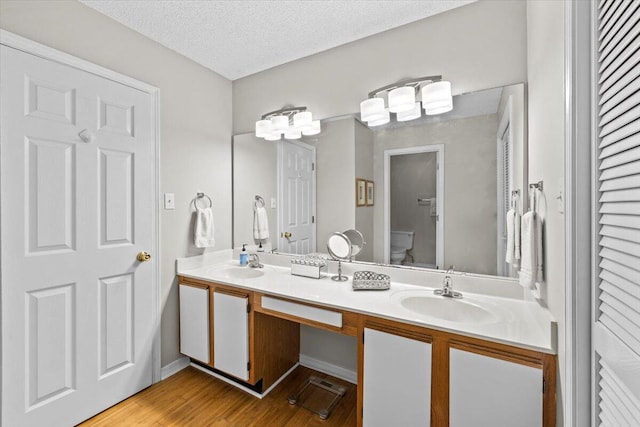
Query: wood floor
{"x":194,"y":398}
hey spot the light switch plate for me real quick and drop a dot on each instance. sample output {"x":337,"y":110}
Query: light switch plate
{"x":560,"y":197}
{"x":169,"y":201}
{"x":273,"y":203}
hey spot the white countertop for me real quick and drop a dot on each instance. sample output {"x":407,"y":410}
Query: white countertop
{"x":523,"y":323}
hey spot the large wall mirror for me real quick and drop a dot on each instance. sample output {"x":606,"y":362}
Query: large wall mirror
{"x":427,"y":193}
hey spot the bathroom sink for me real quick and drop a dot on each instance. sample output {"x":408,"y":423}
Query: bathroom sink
{"x":451,"y":310}
{"x":238,"y":273}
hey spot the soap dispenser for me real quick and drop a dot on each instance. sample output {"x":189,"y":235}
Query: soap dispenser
{"x":260,"y":248}
{"x":244,"y":256}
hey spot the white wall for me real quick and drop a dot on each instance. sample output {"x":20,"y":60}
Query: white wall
{"x":478,"y":46}
{"x":545,"y":56}
{"x":195,"y":117}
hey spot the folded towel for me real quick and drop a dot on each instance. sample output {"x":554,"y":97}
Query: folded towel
{"x":512,"y":255}
{"x":204,"y":228}
{"x":260,"y":222}
{"x":539,"y":270}
{"x":517,"y":229}
{"x":531,"y":268}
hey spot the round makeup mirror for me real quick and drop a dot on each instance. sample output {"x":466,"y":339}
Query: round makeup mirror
{"x":339,"y":246}
{"x":357,"y":241}
{"x":344,"y":246}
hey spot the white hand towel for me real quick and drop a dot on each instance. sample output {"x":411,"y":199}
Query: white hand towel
{"x":531,"y":269}
{"x":513,"y":237}
{"x":260,"y":223}
{"x":511,"y":232}
{"x":539,"y":271}
{"x":204,"y":228}
{"x":516,"y":237}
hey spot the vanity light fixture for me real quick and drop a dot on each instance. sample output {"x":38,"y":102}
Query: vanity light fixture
{"x":401,"y":100}
{"x":292,"y":122}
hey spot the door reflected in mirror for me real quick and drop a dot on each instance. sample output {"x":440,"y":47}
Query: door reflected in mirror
{"x":458,"y":218}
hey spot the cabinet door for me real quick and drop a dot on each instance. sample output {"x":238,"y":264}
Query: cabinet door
{"x":231,"y":334}
{"x":397,"y":380}
{"x":489,"y":392}
{"x":194,"y":322}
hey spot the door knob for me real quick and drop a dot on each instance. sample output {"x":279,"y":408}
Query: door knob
{"x":286,"y":235}
{"x":143,"y":256}
{"x":86,"y":135}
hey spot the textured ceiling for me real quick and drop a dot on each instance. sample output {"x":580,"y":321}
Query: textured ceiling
{"x":237,"y":38}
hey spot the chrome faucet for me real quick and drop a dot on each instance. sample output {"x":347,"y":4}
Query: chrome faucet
{"x":254,"y":261}
{"x":447,"y":286}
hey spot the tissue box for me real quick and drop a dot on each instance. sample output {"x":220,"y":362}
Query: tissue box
{"x":309,"y":266}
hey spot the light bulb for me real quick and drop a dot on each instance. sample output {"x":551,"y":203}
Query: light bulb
{"x":402,"y":99}
{"x":372,"y":109}
{"x":412,"y":114}
{"x":315,"y":129}
{"x":280,"y":123}
{"x":263,"y":127}
{"x":383,"y":121}
{"x":436,"y":98}
{"x":302,"y":121}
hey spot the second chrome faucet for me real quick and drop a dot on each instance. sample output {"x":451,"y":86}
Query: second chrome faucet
{"x":447,"y":286}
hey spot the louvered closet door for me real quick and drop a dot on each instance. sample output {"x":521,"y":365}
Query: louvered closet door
{"x":617,"y":304}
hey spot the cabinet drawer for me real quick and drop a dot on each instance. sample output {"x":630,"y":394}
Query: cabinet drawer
{"x":320,"y":315}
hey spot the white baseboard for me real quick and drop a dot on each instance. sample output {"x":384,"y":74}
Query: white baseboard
{"x":328,"y":368}
{"x":174,"y":367}
{"x":240,"y":386}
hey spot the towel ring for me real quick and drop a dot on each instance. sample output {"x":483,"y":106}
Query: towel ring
{"x":259,"y":199}
{"x":201,"y":196}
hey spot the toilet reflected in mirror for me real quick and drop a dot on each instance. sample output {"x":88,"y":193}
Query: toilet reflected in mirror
{"x":401,"y":244}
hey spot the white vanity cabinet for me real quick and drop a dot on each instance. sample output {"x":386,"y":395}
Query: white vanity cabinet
{"x":231,"y":334}
{"x":396,"y":380}
{"x":415,"y":376}
{"x":194,"y":322}
{"x":488,"y":391}
{"x":220,"y":327}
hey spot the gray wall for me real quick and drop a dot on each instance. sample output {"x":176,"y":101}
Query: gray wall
{"x":195,"y":118}
{"x":545,"y":28}
{"x":469,"y":187}
{"x":413,"y":176}
{"x":478,"y":46}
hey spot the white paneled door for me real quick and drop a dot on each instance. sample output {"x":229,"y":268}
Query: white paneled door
{"x":77,"y":194}
{"x":296,"y":216}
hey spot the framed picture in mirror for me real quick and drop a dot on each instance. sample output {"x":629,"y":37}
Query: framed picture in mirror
{"x":369,"y":193}
{"x":361,"y":192}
